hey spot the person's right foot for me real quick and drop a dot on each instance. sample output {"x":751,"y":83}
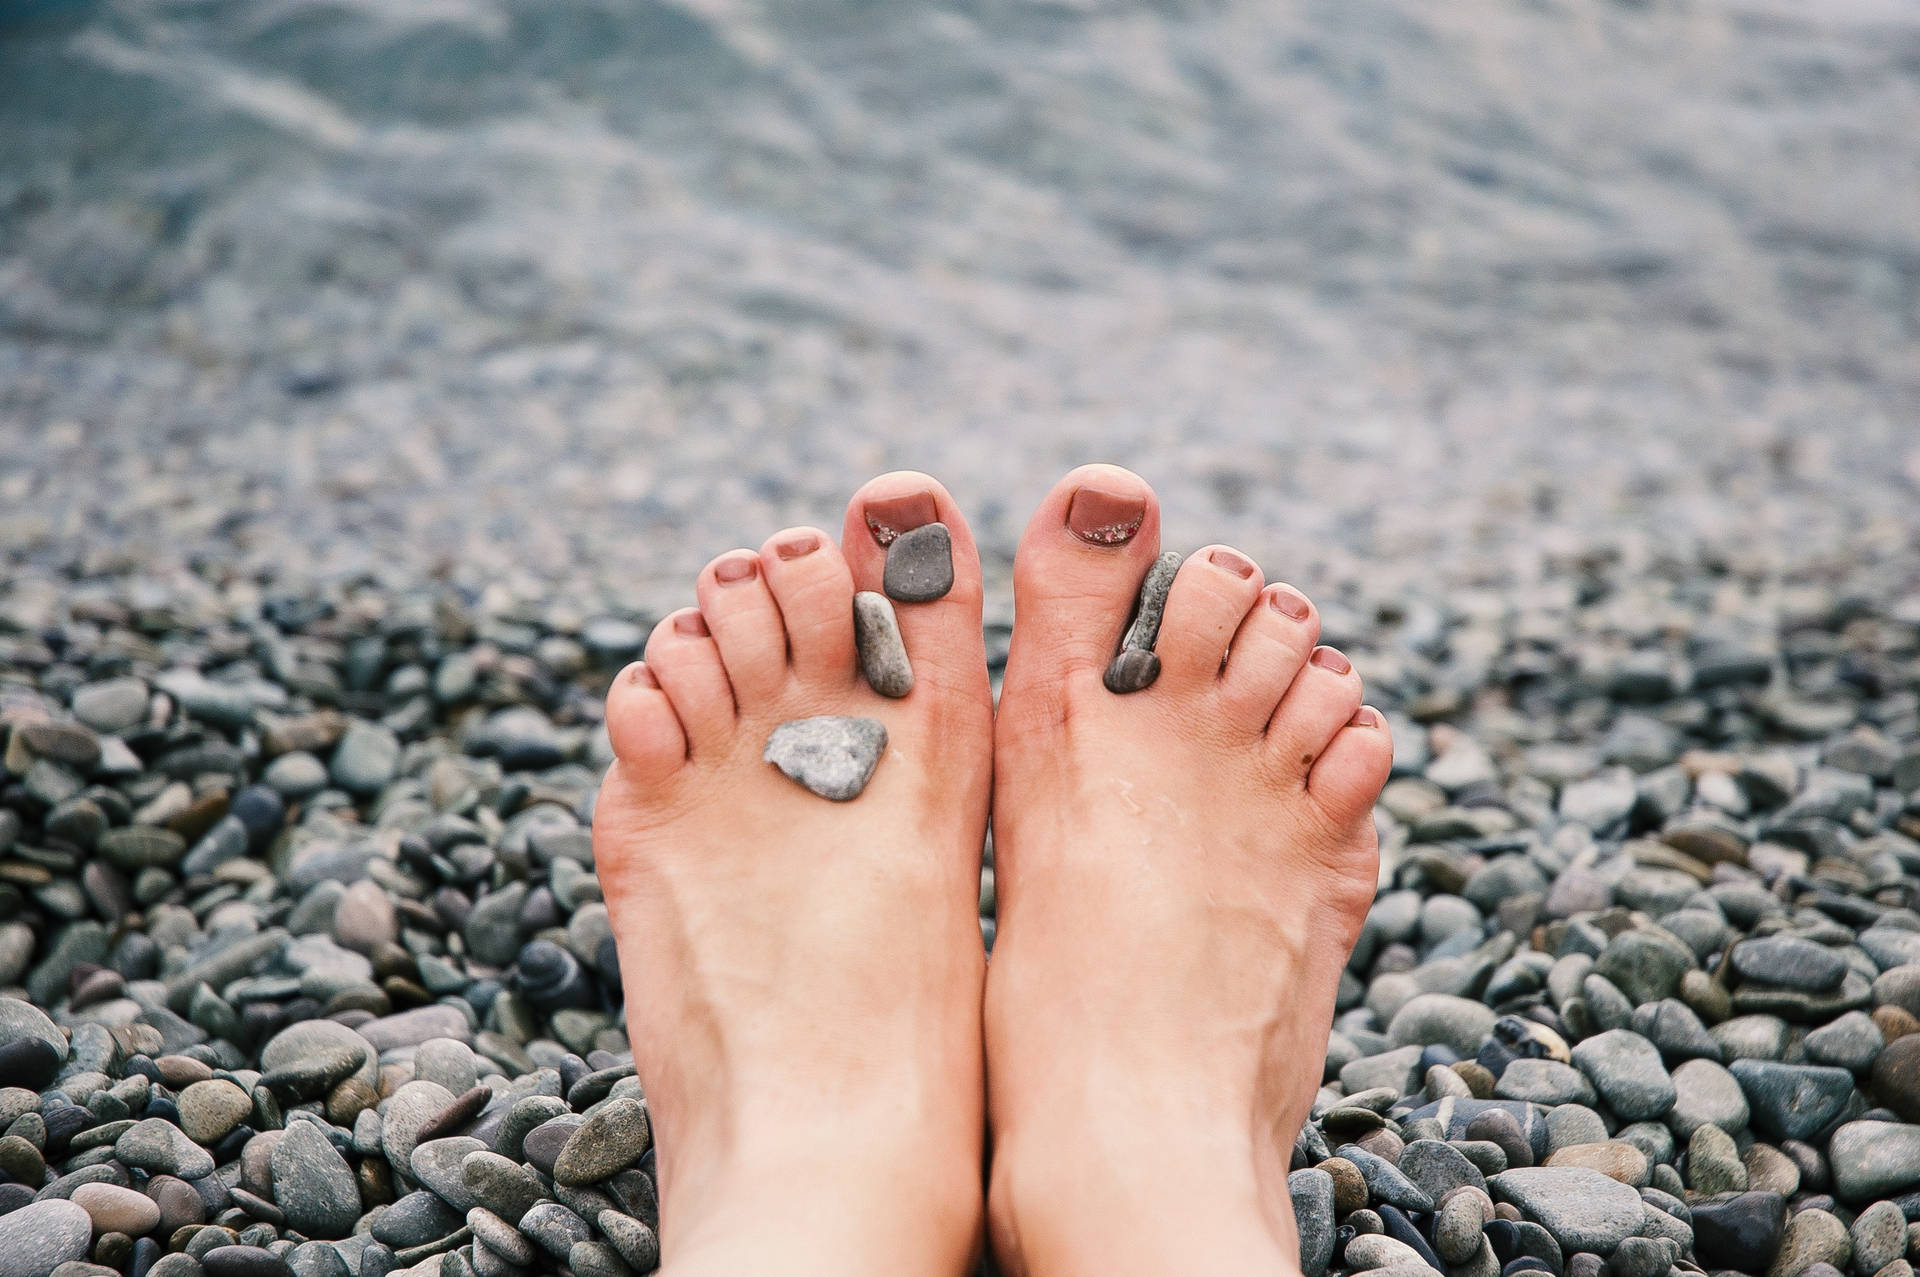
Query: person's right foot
{"x":1181,"y":873}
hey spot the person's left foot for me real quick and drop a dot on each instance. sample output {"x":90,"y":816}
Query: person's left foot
{"x":803,"y":976}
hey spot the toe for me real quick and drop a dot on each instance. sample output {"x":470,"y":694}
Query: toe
{"x":1323,"y":697}
{"x":746,"y":624}
{"x":646,"y":733}
{"x":1077,"y":574}
{"x":1348,"y":776}
{"x":814,"y":589}
{"x":1210,"y":597}
{"x":686,"y":663}
{"x":1266,"y":655}
{"x":941,"y":629}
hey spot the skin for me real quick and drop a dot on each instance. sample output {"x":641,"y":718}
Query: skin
{"x":1181,"y":873}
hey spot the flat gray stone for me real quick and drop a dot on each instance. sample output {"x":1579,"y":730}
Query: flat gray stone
{"x":1790,"y":962}
{"x":1133,"y":670}
{"x":1792,"y":1101}
{"x":833,"y":755}
{"x":919,"y":564}
{"x":1312,"y":1193}
{"x":1583,"y":1209}
{"x":883,"y":653}
{"x":41,"y":1236}
{"x":614,"y":1138}
{"x":1132,"y":673}
{"x":313,"y":1184}
{"x":1626,"y":1069}
{"x":1874,"y":1159}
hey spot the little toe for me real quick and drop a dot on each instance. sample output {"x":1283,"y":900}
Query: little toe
{"x":934,"y":580}
{"x":646,"y":734}
{"x":1322,"y":698}
{"x":814,"y":589}
{"x":1350,"y":772}
{"x":1210,"y":596}
{"x":686,"y":662}
{"x":746,"y":625}
{"x":1267,"y":653}
{"x":1077,"y":574}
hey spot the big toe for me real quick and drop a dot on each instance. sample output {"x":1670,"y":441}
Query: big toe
{"x":1078,"y":572}
{"x":906,"y":538}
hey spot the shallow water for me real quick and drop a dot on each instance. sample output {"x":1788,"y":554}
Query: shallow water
{"x":526,"y":292}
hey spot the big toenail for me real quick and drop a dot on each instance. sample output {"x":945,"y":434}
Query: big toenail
{"x":1368,"y":716}
{"x":691,"y":624}
{"x":920,"y":564}
{"x":797,"y":546}
{"x":1238,"y":564}
{"x":1328,"y":659}
{"x":734,"y":570}
{"x":1290,"y":603}
{"x":1100,"y":517}
{"x":888,"y":517}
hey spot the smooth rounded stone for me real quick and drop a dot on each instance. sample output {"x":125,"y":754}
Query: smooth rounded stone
{"x":1581,"y":1208}
{"x":40,"y":1236}
{"x":1874,"y":1159}
{"x":1547,"y":1082}
{"x":501,"y":1237}
{"x":1570,"y":1124}
{"x":438,"y":1164}
{"x":1644,"y":965}
{"x":365,"y":918}
{"x":1896,"y":1077}
{"x":208,"y":1110}
{"x":403,"y":1115}
{"x":1789,"y":962}
{"x":112,"y":705}
{"x":640,"y":1246}
{"x":1313,"y":1211}
{"x":1642,"y":1257}
{"x":161,"y":1148}
{"x":1713,"y":1163}
{"x":1132,"y":670}
{"x":1612,"y":1158}
{"x":21,"y":1160}
{"x":506,"y":1188}
{"x":919,"y":566}
{"x":1741,"y":1232}
{"x":179,"y":1202}
{"x":448,"y":1061}
{"x":312,"y":1183}
{"x":1879,"y":1236}
{"x":554,"y":1228}
{"x":367,"y":757}
{"x":831,"y":755}
{"x":1851,"y":1042}
{"x":1812,"y":1237}
{"x":1706,"y":1094}
{"x":1898,"y":987}
{"x":1349,"y":1185}
{"x":541,"y":1145}
{"x":1398,"y":1069}
{"x":29,"y":1062}
{"x":114,"y":1209}
{"x":1460,"y":1024}
{"x":1457,"y":1227}
{"x":1627,"y":1071}
{"x":1792,"y":1101}
{"x":1437,"y":1168}
{"x":1371,"y":1251}
{"x":244,"y":1261}
{"x":176,"y":1265}
{"x":1384,"y":1181}
{"x":883,"y":653}
{"x":416,"y":1219}
{"x":22,"y":1020}
{"x":296,"y":775}
{"x":1769,"y":1170}
{"x":613,"y":1139}
{"x":596,"y":1259}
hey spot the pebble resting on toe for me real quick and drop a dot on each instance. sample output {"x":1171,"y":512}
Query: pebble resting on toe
{"x":832,"y":754}
{"x":1135,"y":668}
{"x":883,"y":653}
{"x":920,"y":564}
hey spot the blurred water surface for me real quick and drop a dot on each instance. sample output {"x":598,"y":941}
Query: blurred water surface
{"x":524,"y":288}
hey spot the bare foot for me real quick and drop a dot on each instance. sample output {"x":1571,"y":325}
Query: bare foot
{"x":1181,"y":873}
{"x":803,"y":977}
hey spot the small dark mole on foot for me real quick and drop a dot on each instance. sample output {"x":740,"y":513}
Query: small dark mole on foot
{"x":1306,"y":760}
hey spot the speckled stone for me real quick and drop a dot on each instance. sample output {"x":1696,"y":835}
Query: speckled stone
{"x":832,"y":755}
{"x":1133,"y":673}
{"x":919,"y":564}
{"x":883,"y":653}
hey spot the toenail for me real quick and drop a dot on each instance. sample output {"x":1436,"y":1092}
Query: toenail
{"x":1232,"y":561}
{"x":888,"y":517}
{"x":1101,"y":517}
{"x":640,"y":676}
{"x":734,"y":570}
{"x":797,"y":546}
{"x":1290,"y":603}
{"x":691,"y":624}
{"x":1328,"y":659}
{"x":1368,"y":716}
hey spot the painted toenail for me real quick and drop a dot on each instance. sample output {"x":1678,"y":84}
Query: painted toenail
{"x":1290,"y":603}
{"x":1368,"y":716}
{"x":920,"y":564}
{"x":640,"y":676}
{"x":797,"y":546}
{"x":1328,"y":659}
{"x":1100,"y":517}
{"x":735,"y":570}
{"x":691,"y":624}
{"x":888,"y":517}
{"x":1232,"y":561}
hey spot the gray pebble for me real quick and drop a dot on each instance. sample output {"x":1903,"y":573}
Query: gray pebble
{"x":919,"y":564}
{"x":614,"y":1138}
{"x":554,"y":1228}
{"x":832,"y":755}
{"x":883,"y":653}
{"x":1131,"y":674}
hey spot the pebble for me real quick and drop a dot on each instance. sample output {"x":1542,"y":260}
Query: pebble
{"x":1896,"y":1076}
{"x":1790,"y":962}
{"x":883,"y":653}
{"x":834,"y":756}
{"x":312,"y":1183}
{"x":1792,"y":1101}
{"x":1812,"y":1237}
{"x":1627,"y":1071}
{"x":209,"y":1109}
{"x":919,"y":564}
{"x":1879,"y":1236}
{"x":1743,"y":1231}
{"x":40,"y":1236}
{"x":114,"y":1209}
{"x":1135,"y":667}
{"x":1875,"y":1159}
{"x":612,"y":1139}
{"x":161,"y":1148}
{"x":640,"y":1246}
{"x":1313,"y":1211}
{"x":1581,"y":1208}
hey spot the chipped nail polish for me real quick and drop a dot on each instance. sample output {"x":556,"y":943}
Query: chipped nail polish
{"x":1099,"y":517}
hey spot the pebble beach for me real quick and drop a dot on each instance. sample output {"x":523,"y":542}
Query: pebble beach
{"x":369,"y":385}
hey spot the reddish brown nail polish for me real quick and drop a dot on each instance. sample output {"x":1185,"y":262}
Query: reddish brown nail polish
{"x":691,"y":624}
{"x":1328,"y":659}
{"x":797,"y":547}
{"x":736,"y":569}
{"x":1099,"y":517}
{"x":888,"y":517}
{"x":1232,"y":561}
{"x":1368,"y":716}
{"x":1290,"y":603}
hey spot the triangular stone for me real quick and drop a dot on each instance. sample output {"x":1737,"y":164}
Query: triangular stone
{"x":833,"y":755}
